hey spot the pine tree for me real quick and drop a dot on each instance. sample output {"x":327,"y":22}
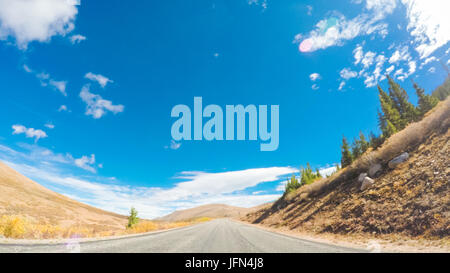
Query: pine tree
{"x":399,"y":97}
{"x":364,"y":145}
{"x":390,"y":129}
{"x":132,"y":219}
{"x":390,"y":112}
{"x":292,"y":184}
{"x":346,"y":159}
{"x":375,"y":141}
{"x":318,"y":173}
{"x":426,"y":102}
{"x":356,"y":149}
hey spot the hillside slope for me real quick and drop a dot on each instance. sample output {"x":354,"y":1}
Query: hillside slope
{"x":26,"y":198}
{"x":212,"y":211}
{"x":412,"y":199}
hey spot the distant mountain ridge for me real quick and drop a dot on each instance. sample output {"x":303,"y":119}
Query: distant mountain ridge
{"x":212,"y":211}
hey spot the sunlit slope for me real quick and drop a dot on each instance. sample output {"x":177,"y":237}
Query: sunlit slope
{"x":23,"y":197}
{"x":211,"y":211}
{"x":411,"y":199}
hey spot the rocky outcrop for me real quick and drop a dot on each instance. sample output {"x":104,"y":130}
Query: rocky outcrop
{"x":367,"y":183}
{"x":374,"y":169}
{"x":398,"y":160}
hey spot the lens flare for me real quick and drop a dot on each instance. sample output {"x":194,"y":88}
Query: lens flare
{"x":305,"y":45}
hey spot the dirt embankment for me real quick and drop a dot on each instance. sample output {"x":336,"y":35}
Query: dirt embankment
{"x":410,"y":201}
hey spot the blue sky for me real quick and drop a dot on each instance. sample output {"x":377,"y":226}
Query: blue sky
{"x":87,"y":89}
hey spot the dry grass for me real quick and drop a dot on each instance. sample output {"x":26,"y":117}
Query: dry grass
{"x":19,"y":227}
{"x":410,"y":201}
{"x":437,"y":120}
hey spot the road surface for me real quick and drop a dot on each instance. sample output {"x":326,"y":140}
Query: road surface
{"x":221,"y":235}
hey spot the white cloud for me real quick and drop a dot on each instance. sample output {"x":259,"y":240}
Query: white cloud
{"x":77,"y":38}
{"x":427,"y":61}
{"x":327,"y":171}
{"x":347,"y":74}
{"x":46,"y":80}
{"x":36,"y":20}
{"x":100,"y":79}
{"x":432,"y":70}
{"x":390,"y":69}
{"x":59,"y":85}
{"x":62,"y":108}
{"x":314,"y":76}
{"x":196,"y":188}
{"x":29,"y":132}
{"x":358,"y":54}
{"x":174,"y":145}
{"x":429,"y":24}
{"x":314,"y":87}
{"x":400,"y":55}
{"x":262,"y":3}
{"x":86,"y":163}
{"x":310,"y":9}
{"x":412,"y":67}
{"x":27,"y":69}
{"x":335,"y":30}
{"x":49,"y":125}
{"x":341,"y":85}
{"x":368,"y":59}
{"x":96,"y":106}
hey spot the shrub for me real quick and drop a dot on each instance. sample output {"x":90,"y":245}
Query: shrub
{"x":12,"y":226}
{"x":292,"y":184}
{"x":132,"y":219}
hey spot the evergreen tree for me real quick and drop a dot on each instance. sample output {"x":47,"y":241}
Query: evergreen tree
{"x":318,"y":175}
{"x":390,"y":112}
{"x":390,"y":130}
{"x":132,"y":219}
{"x":356,"y":149}
{"x":364,"y":145}
{"x":346,"y":159}
{"x":426,"y":102}
{"x":375,"y":141}
{"x":442,"y":92}
{"x":292,"y":184}
{"x":399,"y":97}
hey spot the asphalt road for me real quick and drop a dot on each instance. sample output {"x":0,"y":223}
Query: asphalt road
{"x":220,"y":235}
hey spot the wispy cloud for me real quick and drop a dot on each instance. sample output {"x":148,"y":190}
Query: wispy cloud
{"x":29,"y":132}
{"x":194,"y":188}
{"x":96,"y":106}
{"x":174,"y":145}
{"x":314,"y":77}
{"x":46,"y":80}
{"x":336,"y":29}
{"x":77,"y":38}
{"x":63,"y":108}
{"x":100,"y":79}
{"x":86,"y":163}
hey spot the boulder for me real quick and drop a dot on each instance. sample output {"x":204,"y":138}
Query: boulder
{"x":361,"y":177}
{"x":398,"y":160}
{"x":374,"y":169}
{"x":367,"y":182}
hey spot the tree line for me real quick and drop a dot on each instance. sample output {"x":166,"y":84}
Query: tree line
{"x":396,"y":113}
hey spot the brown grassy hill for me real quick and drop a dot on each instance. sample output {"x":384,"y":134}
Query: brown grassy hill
{"x":211,"y":211}
{"x":412,"y":200}
{"x":23,"y":197}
